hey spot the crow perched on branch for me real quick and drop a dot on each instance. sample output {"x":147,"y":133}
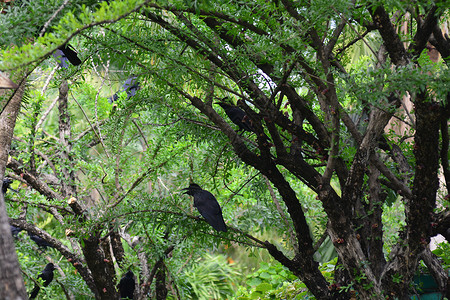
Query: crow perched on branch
{"x":241,"y":119}
{"x":39,"y":241}
{"x":66,"y":53}
{"x":15,"y":230}
{"x":131,"y":86}
{"x":6,"y":184}
{"x":207,"y":205}
{"x":126,"y":286}
{"x":237,"y":116}
{"x":46,"y":276}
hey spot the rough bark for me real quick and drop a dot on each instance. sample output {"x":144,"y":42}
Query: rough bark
{"x":308,"y":141}
{"x":74,"y":258}
{"x":99,"y":266}
{"x":65,"y":133}
{"x":160,"y":283}
{"x":347,"y":212}
{"x":32,"y":180}
{"x":391,"y":39}
{"x":12,"y":286}
{"x":116,"y":245}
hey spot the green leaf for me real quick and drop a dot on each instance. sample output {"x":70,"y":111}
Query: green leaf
{"x":254,"y":281}
{"x":265,"y":275}
{"x":264,"y":287}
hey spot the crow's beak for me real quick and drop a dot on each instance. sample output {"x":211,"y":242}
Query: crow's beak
{"x":185,"y":190}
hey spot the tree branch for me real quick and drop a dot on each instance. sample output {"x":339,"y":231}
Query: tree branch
{"x":387,"y":31}
{"x":72,"y":258}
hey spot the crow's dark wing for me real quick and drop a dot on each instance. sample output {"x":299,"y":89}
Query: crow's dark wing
{"x":131,"y":91}
{"x":239,"y":117}
{"x":71,"y":54}
{"x":113,"y":98}
{"x":39,"y":241}
{"x":210,"y":209}
{"x":15,"y":230}
{"x":46,"y":276}
{"x":126,"y":286}
{"x":131,"y":86}
{"x":6,"y":184}
{"x":34,"y":292}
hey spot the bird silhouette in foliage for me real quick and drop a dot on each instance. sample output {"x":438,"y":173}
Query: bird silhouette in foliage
{"x":15,"y":231}
{"x":207,"y":205}
{"x":6,"y":184}
{"x":126,"y":286}
{"x":131,"y":86}
{"x":46,"y":276}
{"x":66,"y":53}
{"x":237,"y":115}
{"x":241,"y":119}
{"x":39,"y":241}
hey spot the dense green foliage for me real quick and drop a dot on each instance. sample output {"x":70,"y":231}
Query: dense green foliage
{"x":128,"y":161}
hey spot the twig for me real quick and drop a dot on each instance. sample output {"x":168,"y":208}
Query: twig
{"x":53,"y":17}
{"x":283,"y":215}
{"x":334,"y":151}
{"x":46,"y":113}
{"x":240,"y":188}
{"x":140,"y":132}
{"x":49,"y":78}
{"x":356,"y":31}
{"x":320,"y":241}
{"x":82,"y":134}
{"x":92,"y":126}
{"x":96,"y":102}
{"x":44,"y":206}
{"x":65,"y":291}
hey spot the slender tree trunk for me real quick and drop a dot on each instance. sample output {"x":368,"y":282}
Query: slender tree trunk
{"x":65,"y":134}
{"x":12,"y":286}
{"x":160,"y":288}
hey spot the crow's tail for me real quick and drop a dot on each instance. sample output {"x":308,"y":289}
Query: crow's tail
{"x":35,"y":292}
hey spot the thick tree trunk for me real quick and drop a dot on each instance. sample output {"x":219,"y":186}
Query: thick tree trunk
{"x":11,"y":281}
{"x":100,"y":268}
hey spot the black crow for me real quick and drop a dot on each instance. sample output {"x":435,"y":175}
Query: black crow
{"x":208,"y":206}
{"x":39,"y":241}
{"x":6,"y":184}
{"x":46,"y":276}
{"x":237,"y":116}
{"x":131,"y":86}
{"x":126,"y":286}
{"x":15,"y":230}
{"x":70,"y":53}
{"x":65,"y":54}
